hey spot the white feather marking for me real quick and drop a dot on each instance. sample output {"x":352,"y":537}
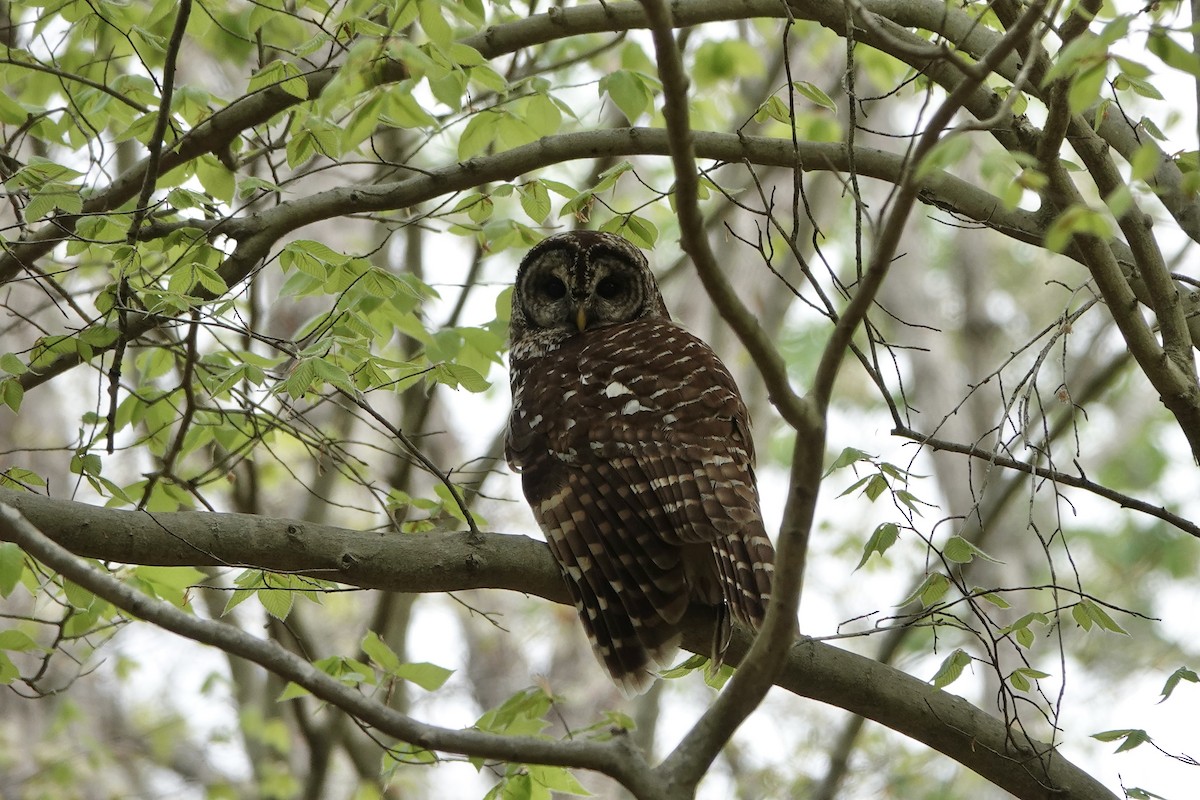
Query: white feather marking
{"x":616,"y":388}
{"x":633,"y":406}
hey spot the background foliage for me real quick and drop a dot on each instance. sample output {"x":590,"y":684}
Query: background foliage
{"x":256,"y":258}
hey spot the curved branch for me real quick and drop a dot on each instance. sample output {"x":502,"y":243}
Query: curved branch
{"x":615,"y":757}
{"x":693,"y":756}
{"x":453,"y":562}
{"x":257,"y":233}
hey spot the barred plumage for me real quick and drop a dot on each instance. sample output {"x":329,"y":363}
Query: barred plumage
{"x":634,"y":452}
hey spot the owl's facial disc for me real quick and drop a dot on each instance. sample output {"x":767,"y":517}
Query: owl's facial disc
{"x":569,"y":289}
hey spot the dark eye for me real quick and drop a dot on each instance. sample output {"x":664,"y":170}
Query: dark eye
{"x":609,"y":288}
{"x":554,"y":288}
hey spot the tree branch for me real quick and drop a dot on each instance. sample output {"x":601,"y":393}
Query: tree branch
{"x":692,"y":757}
{"x":615,"y":757}
{"x":453,"y":562}
{"x":1053,"y":475}
{"x":257,"y":233}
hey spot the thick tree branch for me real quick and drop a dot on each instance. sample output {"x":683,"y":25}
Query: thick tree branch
{"x":453,"y":562}
{"x":258,"y":233}
{"x":615,"y":757}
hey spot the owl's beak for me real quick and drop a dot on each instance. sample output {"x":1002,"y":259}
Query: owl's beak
{"x":581,"y":318}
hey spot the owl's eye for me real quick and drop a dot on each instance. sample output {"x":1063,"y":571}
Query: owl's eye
{"x":554,"y":288}
{"x":609,"y":288}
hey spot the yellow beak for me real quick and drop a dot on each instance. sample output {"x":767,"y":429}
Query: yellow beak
{"x":581,"y":318}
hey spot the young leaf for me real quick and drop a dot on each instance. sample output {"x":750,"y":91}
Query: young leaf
{"x":12,"y":567}
{"x":378,"y":651}
{"x":932,"y":589}
{"x":429,"y":677}
{"x":291,"y":692}
{"x":18,"y":641}
{"x":1020,"y":677}
{"x":277,"y":602}
{"x":628,"y":91}
{"x":1085,"y":612}
{"x":1129,"y":738}
{"x":848,"y":456}
{"x":1181,"y":674}
{"x":883,"y":537}
{"x":951,"y":668}
{"x":960,"y":551}
{"x":815,"y":95}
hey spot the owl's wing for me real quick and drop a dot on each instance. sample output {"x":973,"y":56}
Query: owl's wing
{"x":628,"y":586}
{"x":637,"y":464}
{"x":693,"y":486}
{"x":665,"y":445}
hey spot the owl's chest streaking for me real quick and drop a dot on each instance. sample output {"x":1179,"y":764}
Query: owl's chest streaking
{"x":609,"y":392}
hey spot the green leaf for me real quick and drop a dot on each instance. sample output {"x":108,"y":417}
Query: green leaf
{"x":434,"y":23}
{"x":521,"y":714}
{"x":11,"y":112}
{"x":429,"y":677}
{"x":18,"y":640}
{"x":1172,"y":53}
{"x":685,"y":667}
{"x":883,"y":537}
{"x":478,"y":136}
{"x":1076,"y":220}
{"x":216,"y":179}
{"x":1143,"y":165}
{"x":1088,"y":609}
{"x":8,"y":670}
{"x":556,"y":779}
{"x":848,"y":456}
{"x":1181,"y":674}
{"x":1081,"y":616}
{"x":1129,"y":738}
{"x":993,"y":598}
{"x":876,"y":485}
{"x":951,"y":668}
{"x":960,"y":551}
{"x":628,"y":91}
{"x":543,"y":115}
{"x":11,"y":364}
{"x":379,"y":652}
{"x":12,"y":567}
{"x":282,"y":73}
{"x":931,"y":590}
{"x":948,"y":151}
{"x":535,"y":201}
{"x":277,"y":602}
{"x":169,"y":583}
{"x":1085,"y":87}
{"x":1020,"y":678}
{"x":815,"y":95}
{"x":639,"y":230}
{"x":456,"y":375}
{"x":725,"y":60}
{"x":292,"y":691}
{"x":11,"y":394}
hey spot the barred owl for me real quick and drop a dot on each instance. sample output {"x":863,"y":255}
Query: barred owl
{"x":634,"y":453}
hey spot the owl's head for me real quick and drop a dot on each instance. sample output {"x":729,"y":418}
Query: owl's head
{"x":577,"y":281}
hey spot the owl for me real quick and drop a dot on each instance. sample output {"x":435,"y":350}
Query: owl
{"x":634,"y":453}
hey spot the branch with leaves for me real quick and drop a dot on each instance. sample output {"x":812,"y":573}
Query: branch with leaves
{"x":57,"y":532}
